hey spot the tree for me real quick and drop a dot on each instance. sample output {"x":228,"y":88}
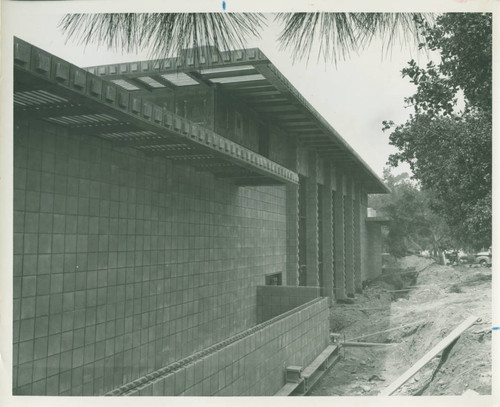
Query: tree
{"x":463,"y":41}
{"x":449,"y":151}
{"x":167,"y":34}
{"x":413,"y":225}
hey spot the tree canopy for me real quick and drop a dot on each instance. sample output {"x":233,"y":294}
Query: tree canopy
{"x":413,"y":225}
{"x":463,"y":41}
{"x":449,"y":151}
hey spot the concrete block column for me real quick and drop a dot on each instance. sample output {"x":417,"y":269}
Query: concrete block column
{"x":312,"y":273}
{"x":292,"y":236}
{"x":327,"y":288}
{"x":363,"y":236}
{"x":349,"y":238}
{"x":339,"y":259}
{"x":374,"y":235}
{"x":358,"y":281}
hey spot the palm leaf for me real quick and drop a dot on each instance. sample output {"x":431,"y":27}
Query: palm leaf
{"x":337,"y":34}
{"x":164,"y":34}
{"x":168,"y":34}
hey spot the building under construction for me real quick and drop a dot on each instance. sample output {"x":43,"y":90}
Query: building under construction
{"x":181,"y":227}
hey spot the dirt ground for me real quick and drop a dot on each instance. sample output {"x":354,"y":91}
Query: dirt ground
{"x":440,"y":298}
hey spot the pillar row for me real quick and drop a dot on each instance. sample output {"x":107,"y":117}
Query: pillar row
{"x":349,"y":239}
{"x":292,"y":235}
{"x":311,"y":200}
{"x":339,"y":255}
{"x":328,"y":221}
{"x":358,"y":279}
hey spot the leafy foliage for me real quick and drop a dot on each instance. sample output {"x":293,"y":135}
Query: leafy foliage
{"x":413,"y":226}
{"x":464,"y":43}
{"x":449,"y":152}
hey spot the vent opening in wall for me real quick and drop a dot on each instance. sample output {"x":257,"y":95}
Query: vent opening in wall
{"x":273,"y":279}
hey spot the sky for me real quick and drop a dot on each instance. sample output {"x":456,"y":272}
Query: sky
{"x":354,"y":96}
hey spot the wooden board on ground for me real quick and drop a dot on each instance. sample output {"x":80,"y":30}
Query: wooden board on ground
{"x":428,"y":356}
{"x":365,"y":344}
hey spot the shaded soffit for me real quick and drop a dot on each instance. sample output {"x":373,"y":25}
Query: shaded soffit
{"x":53,"y":90}
{"x":249,"y":77}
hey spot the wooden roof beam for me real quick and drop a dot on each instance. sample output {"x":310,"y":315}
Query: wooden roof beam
{"x":183,"y":63}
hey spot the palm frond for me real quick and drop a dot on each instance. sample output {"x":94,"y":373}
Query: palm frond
{"x":164,"y":34}
{"x":338,"y":34}
{"x":333,"y":32}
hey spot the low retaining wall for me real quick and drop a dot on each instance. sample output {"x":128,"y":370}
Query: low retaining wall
{"x":276,"y":300}
{"x":251,"y":363}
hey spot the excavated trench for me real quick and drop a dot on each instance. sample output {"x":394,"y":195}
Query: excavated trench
{"x":410,"y":310}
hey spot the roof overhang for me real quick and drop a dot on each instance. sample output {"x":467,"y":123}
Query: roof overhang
{"x":250,"y":77}
{"x":51,"y":89}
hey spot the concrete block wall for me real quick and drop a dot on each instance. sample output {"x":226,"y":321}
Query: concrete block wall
{"x":275,"y":300}
{"x":253,"y":365}
{"x":125,"y":263}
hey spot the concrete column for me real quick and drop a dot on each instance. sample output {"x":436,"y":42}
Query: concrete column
{"x":358,"y":281}
{"x":374,"y":235}
{"x":363,"y":236}
{"x":292,"y":235}
{"x":327,"y":288}
{"x":338,"y":254}
{"x":312,"y":273}
{"x":349,"y":239}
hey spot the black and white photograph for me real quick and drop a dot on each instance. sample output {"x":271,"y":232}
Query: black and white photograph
{"x":228,"y":202}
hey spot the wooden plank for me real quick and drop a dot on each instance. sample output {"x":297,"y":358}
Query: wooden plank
{"x":388,"y":330}
{"x":247,"y":182}
{"x":51,"y":110}
{"x":229,"y":74}
{"x":210,"y":60}
{"x":266,"y":102}
{"x":198,"y":152}
{"x":309,"y":370}
{"x":250,"y":91}
{"x":258,"y":97}
{"x":443,"y":344}
{"x":243,"y":84}
{"x":141,"y":84}
{"x":289,"y":388}
{"x":97,"y":129}
{"x":364,"y":344}
{"x":281,"y":108}
{"x":311,"y":382}
{"x":145,"y":141}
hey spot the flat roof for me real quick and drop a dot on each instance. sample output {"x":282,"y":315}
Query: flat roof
{"x":249,"y":76}
{"x":53,"y":90}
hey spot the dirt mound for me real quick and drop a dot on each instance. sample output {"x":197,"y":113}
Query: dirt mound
{"x":440,"y":299}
